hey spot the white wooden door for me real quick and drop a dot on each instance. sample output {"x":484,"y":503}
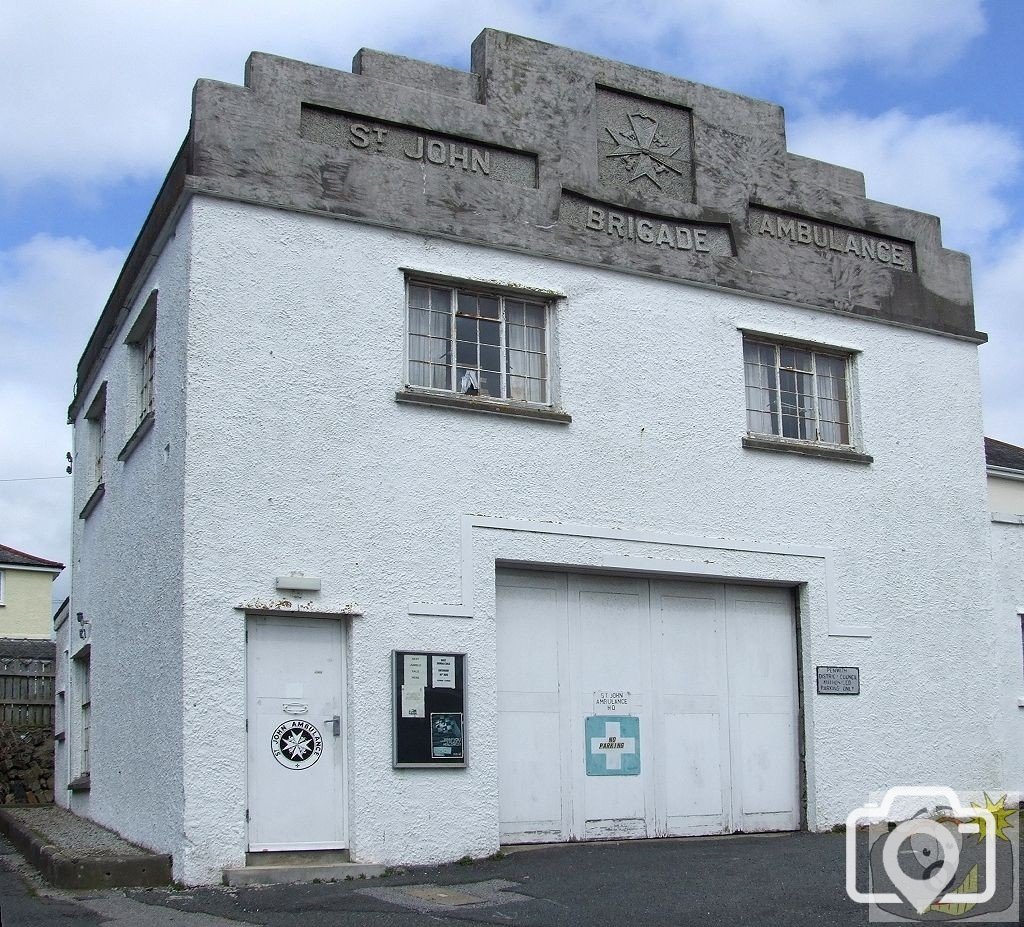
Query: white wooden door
{"x":533,"y":708}
{"x":688,"y":623}
{"x":609,"y":646}
{"x":712,"y":681}
{"x":296,"y":770}
{"x":763,"y":709}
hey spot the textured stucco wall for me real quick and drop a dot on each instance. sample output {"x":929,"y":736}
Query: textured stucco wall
{"x":1008,"y":561}
{"x":27,"y":609}
{"x":127,"y":579}
{"x":298,"y":457}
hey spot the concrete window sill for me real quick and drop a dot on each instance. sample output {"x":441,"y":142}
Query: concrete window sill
{"x":80,"y":784}
{"x":488,"y":406}
{"x":805,"y":448}
{"x":143,"y":429}
{"x":94,"y":499}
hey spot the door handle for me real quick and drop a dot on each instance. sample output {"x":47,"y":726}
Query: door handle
{"x":335,"y":723}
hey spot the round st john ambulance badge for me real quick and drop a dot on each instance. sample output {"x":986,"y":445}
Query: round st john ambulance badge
{"x":297,"y":744}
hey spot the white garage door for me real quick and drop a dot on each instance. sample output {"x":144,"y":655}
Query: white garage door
{"x":644,"y":708}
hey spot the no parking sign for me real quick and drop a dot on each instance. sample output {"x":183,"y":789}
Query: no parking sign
{"x":613,"y":745}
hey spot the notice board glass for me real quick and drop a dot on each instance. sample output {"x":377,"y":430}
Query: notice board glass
{"x":429,"y":708}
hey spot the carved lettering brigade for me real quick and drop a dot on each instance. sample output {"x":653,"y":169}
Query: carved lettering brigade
{"x":616,"y":226}
{"x":838,"y":240}
{"x":637,"y":228}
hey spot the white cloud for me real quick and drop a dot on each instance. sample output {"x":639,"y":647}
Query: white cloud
{"x":788,"y":42}
{"x":97,"y":90}
{"x":51,"y":290}
{"x":945,"y":164}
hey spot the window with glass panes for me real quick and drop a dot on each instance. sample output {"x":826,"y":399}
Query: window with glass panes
{"x":148,"y":352}
{"x":86,"y":720}
{"x":478,"y":343}
{"x":796,"y":392}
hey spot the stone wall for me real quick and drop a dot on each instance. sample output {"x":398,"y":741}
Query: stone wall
{"x":26,"y":766}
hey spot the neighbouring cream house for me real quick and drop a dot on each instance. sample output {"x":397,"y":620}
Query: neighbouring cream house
{"x":26,"y":594}
{"x":535,"y":453}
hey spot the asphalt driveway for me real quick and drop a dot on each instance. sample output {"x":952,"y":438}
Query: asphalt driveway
{"x":786,"y":879}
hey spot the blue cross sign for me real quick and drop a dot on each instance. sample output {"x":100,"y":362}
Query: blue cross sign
{"x":613,"y":745}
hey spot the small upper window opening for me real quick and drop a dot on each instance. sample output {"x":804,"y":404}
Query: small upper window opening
{"x":142,"y":339}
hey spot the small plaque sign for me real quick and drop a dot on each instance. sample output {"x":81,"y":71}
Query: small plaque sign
{"x":838,"y":680}
{"x":612,"y":702}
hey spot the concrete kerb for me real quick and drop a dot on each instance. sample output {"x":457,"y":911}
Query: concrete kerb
{"x":65,"y":869}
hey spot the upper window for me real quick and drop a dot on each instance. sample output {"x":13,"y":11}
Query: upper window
{"x":97,"y":419}
{"x":796,"y":392}
{"x":1021,"y":616}
{"x":147,"y":350}
{"x":142,"y":339}
{"x":85,"y":690}
{"x":1,"y":587}
{"x":478,"y":343}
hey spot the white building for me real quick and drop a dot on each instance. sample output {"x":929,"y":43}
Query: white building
{"x":561,"y":365}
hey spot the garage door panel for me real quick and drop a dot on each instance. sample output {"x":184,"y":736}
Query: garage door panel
{"x":529,"y":777}
{"x":615,"y":829}
{"x":609,"y":634}
{"x":672,"y":704}
{"x":609,"y":642}
{"x":529,"y":701}
{"x":534,"y":615}
{"x":531,"y":638}
{"x":689,"y":642}
{"x":765,"y":773}
{"x":762,"y":654}
{"x":692,"y":758}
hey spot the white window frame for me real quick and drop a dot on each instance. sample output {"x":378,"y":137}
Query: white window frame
{"x":147,"y":348}
{"x":85,"y":717}
{"x":815,"y":350}
{"x":1020,"y":618}
{"x":455,"y":287}
{"x":142,"y":342}
{"x":96,"y":416}
{"x":3,"y":585}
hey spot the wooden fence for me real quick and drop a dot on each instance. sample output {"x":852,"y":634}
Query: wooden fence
{"x":26,"y":691}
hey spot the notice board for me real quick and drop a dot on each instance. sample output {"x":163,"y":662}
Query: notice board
{"x":429,"y":711}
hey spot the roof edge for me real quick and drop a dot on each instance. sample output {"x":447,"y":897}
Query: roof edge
{"x":142,"y":253}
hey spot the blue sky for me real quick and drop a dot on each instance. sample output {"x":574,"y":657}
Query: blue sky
{"x":926,"y":97}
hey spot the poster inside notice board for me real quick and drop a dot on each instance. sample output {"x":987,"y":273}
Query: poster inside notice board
{"x":429,"y":696}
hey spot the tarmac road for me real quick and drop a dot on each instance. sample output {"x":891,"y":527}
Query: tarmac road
{"x":784,"y":879}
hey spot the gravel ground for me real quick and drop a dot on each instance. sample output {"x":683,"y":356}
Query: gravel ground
{"x":74,"y":835}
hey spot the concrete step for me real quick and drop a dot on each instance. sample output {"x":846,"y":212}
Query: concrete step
{"x":297,"y":858}
{"x":278,"y":873}
{"x":74,"y":852}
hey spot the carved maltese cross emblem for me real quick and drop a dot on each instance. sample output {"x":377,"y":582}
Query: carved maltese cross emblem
{"x":642,"y":150}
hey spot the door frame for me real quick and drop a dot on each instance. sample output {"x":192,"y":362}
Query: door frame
{"x":299,"y":617}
